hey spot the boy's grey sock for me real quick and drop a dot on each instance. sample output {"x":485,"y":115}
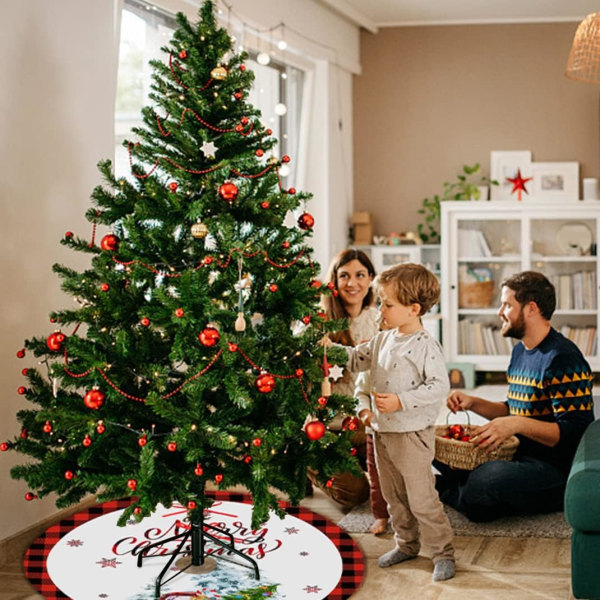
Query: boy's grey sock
{"x":443,"y":569}
{"x":393,"y":557}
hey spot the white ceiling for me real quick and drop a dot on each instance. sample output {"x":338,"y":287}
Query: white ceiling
{"x":372,"y":14}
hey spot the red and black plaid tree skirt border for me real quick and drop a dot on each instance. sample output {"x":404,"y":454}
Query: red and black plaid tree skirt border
{"x":35,"y":558}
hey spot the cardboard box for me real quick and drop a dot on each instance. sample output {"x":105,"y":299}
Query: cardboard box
{"x":362,"y":227}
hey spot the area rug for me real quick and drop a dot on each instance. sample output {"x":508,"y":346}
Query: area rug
{"x":551,"y":525}
{"x":88,"y":557}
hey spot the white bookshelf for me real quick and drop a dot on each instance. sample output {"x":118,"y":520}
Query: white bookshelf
{"x":503,"y":238}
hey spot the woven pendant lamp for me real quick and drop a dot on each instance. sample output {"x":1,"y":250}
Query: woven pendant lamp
{"x":584,"y":58}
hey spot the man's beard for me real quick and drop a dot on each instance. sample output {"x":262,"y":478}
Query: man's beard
{"x":515,"y":330}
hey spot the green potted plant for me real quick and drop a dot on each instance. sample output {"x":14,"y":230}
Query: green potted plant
{"x":468,"y":186}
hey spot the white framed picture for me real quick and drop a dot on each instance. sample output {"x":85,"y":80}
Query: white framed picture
{"x":559,"y":180}
{"x":504,"y":165}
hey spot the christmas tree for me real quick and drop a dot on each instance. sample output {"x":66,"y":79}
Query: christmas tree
{"x":181,"y":364}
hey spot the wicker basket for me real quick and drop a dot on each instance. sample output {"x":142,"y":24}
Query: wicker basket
{"x":464,"y":455}
{"x":479,"y":294}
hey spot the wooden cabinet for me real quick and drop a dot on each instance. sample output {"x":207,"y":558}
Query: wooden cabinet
{"x":485,"y":242}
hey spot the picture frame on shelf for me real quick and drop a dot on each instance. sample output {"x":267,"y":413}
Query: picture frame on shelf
{"x":505,"y":164}
{"x":555,"y":180}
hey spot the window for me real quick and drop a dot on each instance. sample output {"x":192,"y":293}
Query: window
{"x":144,"y":30}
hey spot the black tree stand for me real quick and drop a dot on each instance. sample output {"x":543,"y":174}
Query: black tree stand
{"x":198,"y":536}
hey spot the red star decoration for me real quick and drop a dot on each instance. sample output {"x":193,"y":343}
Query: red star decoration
{"x":519,"y":184}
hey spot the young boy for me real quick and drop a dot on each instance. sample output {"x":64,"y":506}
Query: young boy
{"x":410,"y":384}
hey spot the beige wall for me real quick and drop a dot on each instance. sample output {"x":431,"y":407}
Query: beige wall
{"x":56,"y":122}
{"x":431,"y":99}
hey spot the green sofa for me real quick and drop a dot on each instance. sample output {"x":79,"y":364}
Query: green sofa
{"x":582,"y":511}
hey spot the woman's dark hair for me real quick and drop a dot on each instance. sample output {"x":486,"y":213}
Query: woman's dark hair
{"x":332,"y":305}
{"x":531,"y":286}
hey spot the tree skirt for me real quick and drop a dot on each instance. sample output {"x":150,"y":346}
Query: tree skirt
{"x":551,"y":525}
{"x":88,"y":557}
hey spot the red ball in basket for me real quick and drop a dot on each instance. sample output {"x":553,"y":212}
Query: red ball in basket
{"x":454,"y":448}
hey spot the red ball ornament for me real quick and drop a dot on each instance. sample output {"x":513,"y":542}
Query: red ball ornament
{"x":256,"y":442}
{"x":329,"y":483}
{"x":21,"y":353}
{"x":179,"y":312}
{"x":104,"y":287}
{"x":299,"y":372}
{"x":183,"y":55}
{"x":24,"y":371}
{"x":315,"y":430}
{"x":315,"y":283}
{"x":199,"y":471}
{"x":23,"y":435}
{"x":285,"y":245}
{"x":242,"y":67}
{"x":94,"y":399}
{"x":100,"y":428}
{"x":173,"y":186}
{"x":209,"y":336}
{"x":218,"y":478}
{"x":145,"y":321}
{"x":291,"y":191}
{"x":171,"y":446}
{"x":247,"y":459}
{"x":238,"y":95}
{"x":69,"y":475}
{"x":87,"y":441}
{"x":244,"y":120}
{"x":68,"y":235}
{"x":228,"y":191}
{"x":142,"y":441}
{"x":191,"y":505}
{"x":269,"y":131}
{"x":47,"y":428}
{"x":265,"y":383}
{"x":306,"y":221}
{"x":306,"y":319}
{"x":273,"y":287}
{"x":55,"y":341}
{"x":265,"y":205}
{"x":29,"y":496}
{"x":21,"y":390}
{"x":331,"y":285}
{"x":132,"y":484}
{"x":239,"y":128}
{"x":3,"y":447}
{"x":260,"y":152}
{"x":285,"y":158}
{"x":110,"y":242}
{"x":353,"y":451}
{"x":207,"y":260}
{"x":137,"y":510}
{"x":322,"y":401}
{"x":232,"y":347}
{"x":350,"y":424}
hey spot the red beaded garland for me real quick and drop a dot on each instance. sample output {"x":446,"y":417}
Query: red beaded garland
{"x":109,"y":242}
{"x":209,"y":336}
{"x":94,"y":399}
{"x":315,"y":430}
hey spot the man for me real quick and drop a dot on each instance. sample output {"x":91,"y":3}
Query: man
{"x":549,"y":404}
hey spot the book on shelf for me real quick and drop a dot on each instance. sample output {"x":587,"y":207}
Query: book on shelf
{"x":472,"y":242}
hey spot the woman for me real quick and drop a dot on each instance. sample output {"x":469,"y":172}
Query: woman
{"x":352,"y":273}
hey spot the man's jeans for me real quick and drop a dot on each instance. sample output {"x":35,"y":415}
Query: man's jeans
{"x":499,"y":488}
